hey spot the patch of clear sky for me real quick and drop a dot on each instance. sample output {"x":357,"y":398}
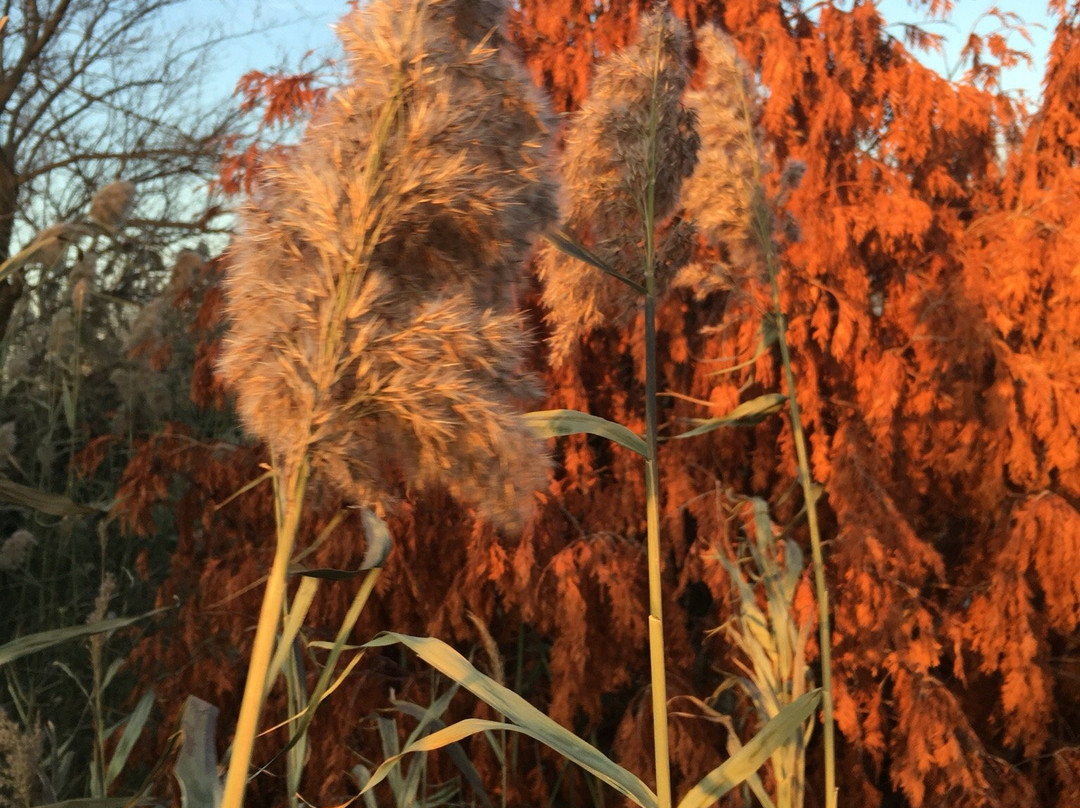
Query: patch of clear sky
{"x":298,"y":34}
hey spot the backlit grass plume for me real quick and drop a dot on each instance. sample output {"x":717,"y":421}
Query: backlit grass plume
{"x":608,"y":182}
{"x":724,"y":193}
{"x":372,"y":338}
{"x":375,"y":268}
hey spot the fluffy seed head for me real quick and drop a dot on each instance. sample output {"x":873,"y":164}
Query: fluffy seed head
{"x":605,"y":167}
{"x":185,"y":271}
{"x":369,"y":289}
{"x":724,"y":194}
{"x":110,"y":206}
{"x":82,"y":279}
{"x":16,"y":549}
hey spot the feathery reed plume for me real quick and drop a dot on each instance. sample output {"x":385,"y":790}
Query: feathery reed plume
{"x":605,"y":167}
{"x":370,"y":286}
{"x":111,"y":205}
{"x":722,"y":196}
{"x":20,"y":755}
{"x":16,"y":549}
{"x":50,"y":245}
{"x":369,"y":281}
{"x":81,"y":280}
{"x":185,"y":271}
{"x":465,"y":166}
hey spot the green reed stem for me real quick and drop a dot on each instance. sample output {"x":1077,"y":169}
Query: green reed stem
{"x":656,"y":603}
{"x":289,"y":496}
{"x":657,"y":656}
{"x":810,"y":500}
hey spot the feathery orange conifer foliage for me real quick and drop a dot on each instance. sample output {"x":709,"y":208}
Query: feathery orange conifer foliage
{"x":929,"y":301}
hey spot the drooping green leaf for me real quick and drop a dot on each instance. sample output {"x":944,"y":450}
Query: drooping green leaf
{"x":132,"y":730}
{"x":746,"y":414}
{"x":737,"y":768}
{"x":32,"y":643}
{"x":556,"y":423}
{"x":526,"y":719}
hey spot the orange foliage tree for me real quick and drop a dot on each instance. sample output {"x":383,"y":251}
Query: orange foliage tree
{"x":929,"y":299}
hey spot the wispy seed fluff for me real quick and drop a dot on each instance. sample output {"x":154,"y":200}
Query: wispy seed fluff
{"x":371,"y":285}
{"x":724,"y":194}
{"x":111,"y":205}
{"x":605,"y":172}
{"x":15,"y":549}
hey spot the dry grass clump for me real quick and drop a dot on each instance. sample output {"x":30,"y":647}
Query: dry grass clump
{"x":371,"y":283}
{"x":607,"y":170}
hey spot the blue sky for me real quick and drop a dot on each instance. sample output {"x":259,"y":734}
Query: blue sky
{"x":283,"y":31}
{"x":971,"y":15}
{"x":287,"y":29}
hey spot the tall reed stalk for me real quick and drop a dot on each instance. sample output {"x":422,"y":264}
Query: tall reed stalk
{"x":738,"y":217}
{"x":657,"y":655}
{"x":289,"y":486}
{"x":372,"y":339}
{"x":627,"y":152}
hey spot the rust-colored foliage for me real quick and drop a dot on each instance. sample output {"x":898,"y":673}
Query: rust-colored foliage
{"x":282,"y":100}
{"x":931,"y":301}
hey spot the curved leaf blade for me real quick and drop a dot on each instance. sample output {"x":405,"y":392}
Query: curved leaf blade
{"x":556,"y":423}
{"x":526,"y":718}
{"x":32,"y":643}
{"x":132,"y":730}
{"x":473,"y":726}
{"x":740,"y":766}
{"x":748,"y":413}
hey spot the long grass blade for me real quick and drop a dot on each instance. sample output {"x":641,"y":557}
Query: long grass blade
{"x":738,"y":768}
{"x":53,"y":504}
{"x":298,"y":610}
{"x":526,"y":718}
{"x":132,"y":730}
{"x":579,"y":752}
{"x":556,"y":423}
{"x":748,"y":413}
{"x":32,"y":643}
{"x":562,"y":239}
{"x":456,"y":753}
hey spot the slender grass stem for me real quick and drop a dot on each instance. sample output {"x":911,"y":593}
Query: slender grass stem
{"x":289,"y":495}
{"x":657,"y":657}
{"x":762,"y":227}
{"x":656,"y":603}
{"x":822,"y":590}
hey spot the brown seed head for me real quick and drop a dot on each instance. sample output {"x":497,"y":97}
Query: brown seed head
{"x":724,"y":194}
{"x":370,"y":286}
{"x":605,"y":167}
{"x":110,"y":205}
{"x":15,"y":549}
